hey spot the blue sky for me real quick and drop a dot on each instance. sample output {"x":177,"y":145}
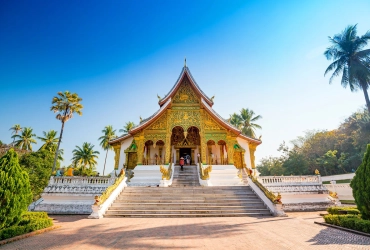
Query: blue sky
{"x":118,"y":55}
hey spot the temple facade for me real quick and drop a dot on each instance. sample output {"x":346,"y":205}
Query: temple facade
{"x":184,"y":125}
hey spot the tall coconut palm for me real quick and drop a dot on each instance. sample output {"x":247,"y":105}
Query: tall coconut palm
{"x":65,"y":105}
{"x":351,"y":60}
{"x":15,"y":129}
{"x":25,"y":140}
{"x":109,"y":134}
{"x":249,"y":118}
{"x":236,"y":120}
{"x":128,"y":126}
{"x":85,"y":156}
{"x":50,"y":140}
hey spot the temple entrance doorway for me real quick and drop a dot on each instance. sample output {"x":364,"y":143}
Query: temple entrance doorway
{"x":185,"y":152}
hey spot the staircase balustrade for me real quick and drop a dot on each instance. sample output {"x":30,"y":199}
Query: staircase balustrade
{"x":289,"y":180}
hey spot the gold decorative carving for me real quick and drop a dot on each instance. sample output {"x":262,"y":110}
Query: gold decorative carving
{"x":185,"y":118}
{"x":166,"y":173}
{"x":155,"y":137}
{"x":252,"y":149}
{"x":209,"y":123}
{"x":117,"y":150}
{"x":159,"y":124}
{"x":185,"y":94}
{"x":204,"y":172}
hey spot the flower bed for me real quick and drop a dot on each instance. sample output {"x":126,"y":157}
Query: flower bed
{"x":31,"y":221}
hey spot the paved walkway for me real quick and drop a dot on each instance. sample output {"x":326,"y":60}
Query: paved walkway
{"x":294,"y":232}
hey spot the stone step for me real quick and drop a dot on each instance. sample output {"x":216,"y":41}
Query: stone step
{"x":154,"y":215}
{"x":184,"y":207}
{"x":190,"y":211}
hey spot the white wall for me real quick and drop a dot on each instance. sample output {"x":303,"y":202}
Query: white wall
{"x":245,"y":145}
{"x":122,"y":157}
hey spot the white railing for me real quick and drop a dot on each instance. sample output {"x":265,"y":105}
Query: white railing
{"x":79,"y":180}
{"x":338,"y":177}
{"x":289,"y":180}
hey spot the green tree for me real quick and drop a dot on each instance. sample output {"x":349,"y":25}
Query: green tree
{"x":50,"y":140}
{"x":351,"y":60}
{"x":128,"y":126}
{"x":236,"y":120}
{"x":15,"y":130}
{"x":38,"y":166}
{"x":271,"y":166}
{"x":109,"y":134}
{"x":248,"y":120}
{"x":85,"y":156}
{"x":360,"y":185}
{"x":25,"y":140}
{"x":15,"y":192}
{"x":65,"y":105}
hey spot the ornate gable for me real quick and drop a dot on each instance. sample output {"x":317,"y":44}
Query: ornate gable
{"x":185,"y":94}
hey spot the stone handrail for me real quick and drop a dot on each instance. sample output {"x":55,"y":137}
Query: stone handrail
{"x":275,"y":208}
{"x":202,"y":182}
{"x":79,"y":180}
{"x":204,"y":172}
{"x":167,"y":176}
{"x":103,"y":202}
{"x":166,"y":173}
{"x":290,"y":180}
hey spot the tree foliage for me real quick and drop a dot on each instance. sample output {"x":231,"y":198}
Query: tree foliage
{"x":246,"y":122}
{"x":65,"y":105}
{"x":351,"y":60}
{"x":25,"y":139}
{"x":85,"y":156}
{"x":15,"y":191}
{"x":38,"y":166}
{"x":108,"y":134}
{"x":360,"y":185}
{"x":50,"y":140}
{"x":332,"y":152}
{"x":128,"y":126}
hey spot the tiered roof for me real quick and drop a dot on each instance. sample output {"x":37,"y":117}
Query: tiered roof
{"x":165,"y":103}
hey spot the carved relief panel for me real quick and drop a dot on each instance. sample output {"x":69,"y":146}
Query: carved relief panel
{"x":185,"y":94}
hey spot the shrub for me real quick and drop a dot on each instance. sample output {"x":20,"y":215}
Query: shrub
{"x":38,"y":166}
{"x":31,"y":221}
{"x":349,"y":221}
{"x":360,"y":185}
{"x":15,"y":192}
{"x":343,"y":210}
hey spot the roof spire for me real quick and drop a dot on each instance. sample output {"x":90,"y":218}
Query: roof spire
{"x":185,"y":63}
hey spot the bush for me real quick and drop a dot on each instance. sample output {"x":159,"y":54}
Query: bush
{"x":349,"y":221}
{"x":15,"y":191}
{"x":343,"y":210}
{"x":30,"y":221}
{"x":360,"y":185}
{"x":38,"y":166}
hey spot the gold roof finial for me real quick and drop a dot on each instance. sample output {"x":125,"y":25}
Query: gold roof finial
{"x":185,"y":62}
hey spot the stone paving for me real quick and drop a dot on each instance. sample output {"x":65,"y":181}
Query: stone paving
{"x":297,"y":231}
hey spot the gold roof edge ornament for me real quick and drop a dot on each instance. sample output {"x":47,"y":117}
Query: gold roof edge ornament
{"x":185,"y":63}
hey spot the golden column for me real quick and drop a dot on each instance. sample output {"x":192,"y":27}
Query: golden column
{"x":252,"y":149}
{"x":117,"y":150}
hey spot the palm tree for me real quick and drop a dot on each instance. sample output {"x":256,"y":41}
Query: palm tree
{"x":85,"y":156}
{"x":236,"y":120}
{"x":351,"y":60}
{"x":65,"y":104}
{"x":15,"y":129}
{"x":249,"y":118}
{"x":109,"y":134}
{"x":50,"y":140}
{"x":25,"y":139}
{"x":127,"y":127}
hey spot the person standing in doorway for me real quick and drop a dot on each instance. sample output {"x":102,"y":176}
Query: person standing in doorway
{"x":187,"y":157}
{"x":182,"y":163}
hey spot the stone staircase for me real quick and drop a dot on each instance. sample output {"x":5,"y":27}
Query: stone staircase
{"x":186,"y":198}
{"x":187,"y":177}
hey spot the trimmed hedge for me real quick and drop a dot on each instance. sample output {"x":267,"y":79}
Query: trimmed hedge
{"x":31,"y":221}
{"x":349,"y":221}
{"x":343,"y":210}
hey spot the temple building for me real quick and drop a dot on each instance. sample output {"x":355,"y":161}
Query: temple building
{"x":185,"y":125}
